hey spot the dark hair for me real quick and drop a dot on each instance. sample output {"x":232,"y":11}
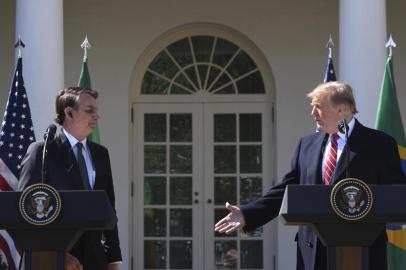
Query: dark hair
{"x":69,"y":97}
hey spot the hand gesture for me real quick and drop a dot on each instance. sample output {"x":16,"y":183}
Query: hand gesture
{"x":232,"y":222}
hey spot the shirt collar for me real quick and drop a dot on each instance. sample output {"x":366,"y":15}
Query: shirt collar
{"x":73,"y":141}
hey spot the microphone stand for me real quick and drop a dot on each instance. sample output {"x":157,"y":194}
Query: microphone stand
{"x":49,"y":135}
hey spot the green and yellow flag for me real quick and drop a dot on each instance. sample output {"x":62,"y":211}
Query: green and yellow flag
{"x":389,"y":120}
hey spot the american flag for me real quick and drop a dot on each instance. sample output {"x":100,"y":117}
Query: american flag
{"x":16,"y":135}
{"x":330,"y":75}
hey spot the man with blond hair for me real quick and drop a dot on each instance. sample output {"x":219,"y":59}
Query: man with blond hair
{"x":319,"y":159}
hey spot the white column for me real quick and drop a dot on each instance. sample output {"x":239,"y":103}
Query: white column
{"x":362,"y":52}
{"x":40,"y":25}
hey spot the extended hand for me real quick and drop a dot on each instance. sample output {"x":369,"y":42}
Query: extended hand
{"x":232,"y":222}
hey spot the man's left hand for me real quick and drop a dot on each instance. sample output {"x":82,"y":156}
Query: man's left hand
{"x":113,"y":266}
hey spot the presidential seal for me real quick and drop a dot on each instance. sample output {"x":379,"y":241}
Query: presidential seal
{"x":40,"y":204}
{"x":351,"y":199}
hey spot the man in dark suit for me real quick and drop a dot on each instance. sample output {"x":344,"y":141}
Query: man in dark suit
{"x":75,"y":163}
{"x":319,"y":159}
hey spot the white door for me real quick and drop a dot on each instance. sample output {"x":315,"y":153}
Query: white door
{"x":189,"y":158}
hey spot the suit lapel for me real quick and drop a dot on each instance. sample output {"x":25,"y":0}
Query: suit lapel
{"x":314,"y":161}
{"x":355,"y":142}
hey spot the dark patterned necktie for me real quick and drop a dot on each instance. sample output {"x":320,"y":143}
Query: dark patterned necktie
{"x":82,"y":167}
{"x":331,"y":160}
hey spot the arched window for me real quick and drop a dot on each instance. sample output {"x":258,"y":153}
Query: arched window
{"x":202,"y":65}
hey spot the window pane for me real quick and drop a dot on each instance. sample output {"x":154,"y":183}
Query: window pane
{"x":225,"y":190}
{"x":224,"y":79}
{"x":181,"y":79}
{"x":181,"y":222}
{"x":252,"y":84}
{"x":223,"y":52}
{"x":181,"y":254}
{"x":224,"y":128}
{"x":241,"y":64}
{"x":226,"y":254}
{"x":181,"y":191}
{"x":250,"y":159}
{"x":230,"y":89}
{"x":163,"y":64}
{"x":154,"y":254}
{"x":250,"y":189}
{"x":154,"y":159}
{"x":154,"y":190}
{"x":181,"y":128}
{"x":191,"y":73}
{"x":181,"y":158}
{"x":251,"y":254}
{"x":224,"y":159}
{"x":154,"y":85}
{"x":180,"y":50}
{"x":154,"y":222}
{"x":202,"y":46}
{"x":179,"y":90}
{"x":155,"y":127}
{"x":250,"y":127}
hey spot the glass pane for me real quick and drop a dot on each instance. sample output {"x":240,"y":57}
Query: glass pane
{"x":226,"y":254}
{"x":218,"y":215}
{"x":230,"y":89}
{"x":181,"y":191}
{"x":252,"y":84}
{"x":225,"y":190}
{"x":241,"y":64}
{"x":250,"y":127}
{"x":224,"y":79}
{"x":251,"y":254}
{"x":181,"y":158}
{"x":250,"y":189}
{"x":154,"y":85}
{"x":181,"y":79}
{"x":181,"y":254}
{"x":224,"y":128}
{"x":191,"y":73}
{"x":154,"y":254}
{"x":155,"y":127}
{"x":154,"y":222}
{"x":181,"y":222}
{"x":250,"y":158}
{"x":180,"y":50}
{"x":179,"y":90}
{"x":154,"y":159}
{"x":223,"y":52}
{"x":224,"y":159}
{"x":180,"y":128}
{"x":202,"y":46}
{"x":213,"y":73}
{"x":154,"y":190}
{"x":163,"y":64}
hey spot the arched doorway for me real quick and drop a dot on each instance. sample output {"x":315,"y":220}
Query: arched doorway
{"x":202,"y":135}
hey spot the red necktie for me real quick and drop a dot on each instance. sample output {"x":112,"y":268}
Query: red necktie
{"x":331,"y":160}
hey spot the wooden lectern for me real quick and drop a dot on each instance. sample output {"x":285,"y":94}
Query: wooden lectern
{"x":347,"y":242}
{"x":44,"y":246}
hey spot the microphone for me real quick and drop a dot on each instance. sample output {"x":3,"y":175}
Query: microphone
{"x":48,"y":136}
{"x":343,"y":128}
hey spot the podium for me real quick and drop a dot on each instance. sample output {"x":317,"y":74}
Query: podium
{"x":310,"y":205}
{"x":80,"y":211}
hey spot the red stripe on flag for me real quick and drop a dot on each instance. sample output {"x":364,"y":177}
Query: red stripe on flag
{"x":6,"y":250}
{"x":4,"y":186}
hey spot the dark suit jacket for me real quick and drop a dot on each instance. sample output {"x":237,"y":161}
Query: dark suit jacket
{"x":374,"y":158}
{"x":64,"y":174}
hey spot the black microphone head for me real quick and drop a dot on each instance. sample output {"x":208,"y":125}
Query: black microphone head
{"x":342,"y":126}
{"x":50,"y":132}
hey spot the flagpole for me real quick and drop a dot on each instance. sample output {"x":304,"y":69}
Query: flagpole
{"x":85,"y":46}
{"x":390,"y":44}
{"x":330,"y":46}
{"x":19,"y":44}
